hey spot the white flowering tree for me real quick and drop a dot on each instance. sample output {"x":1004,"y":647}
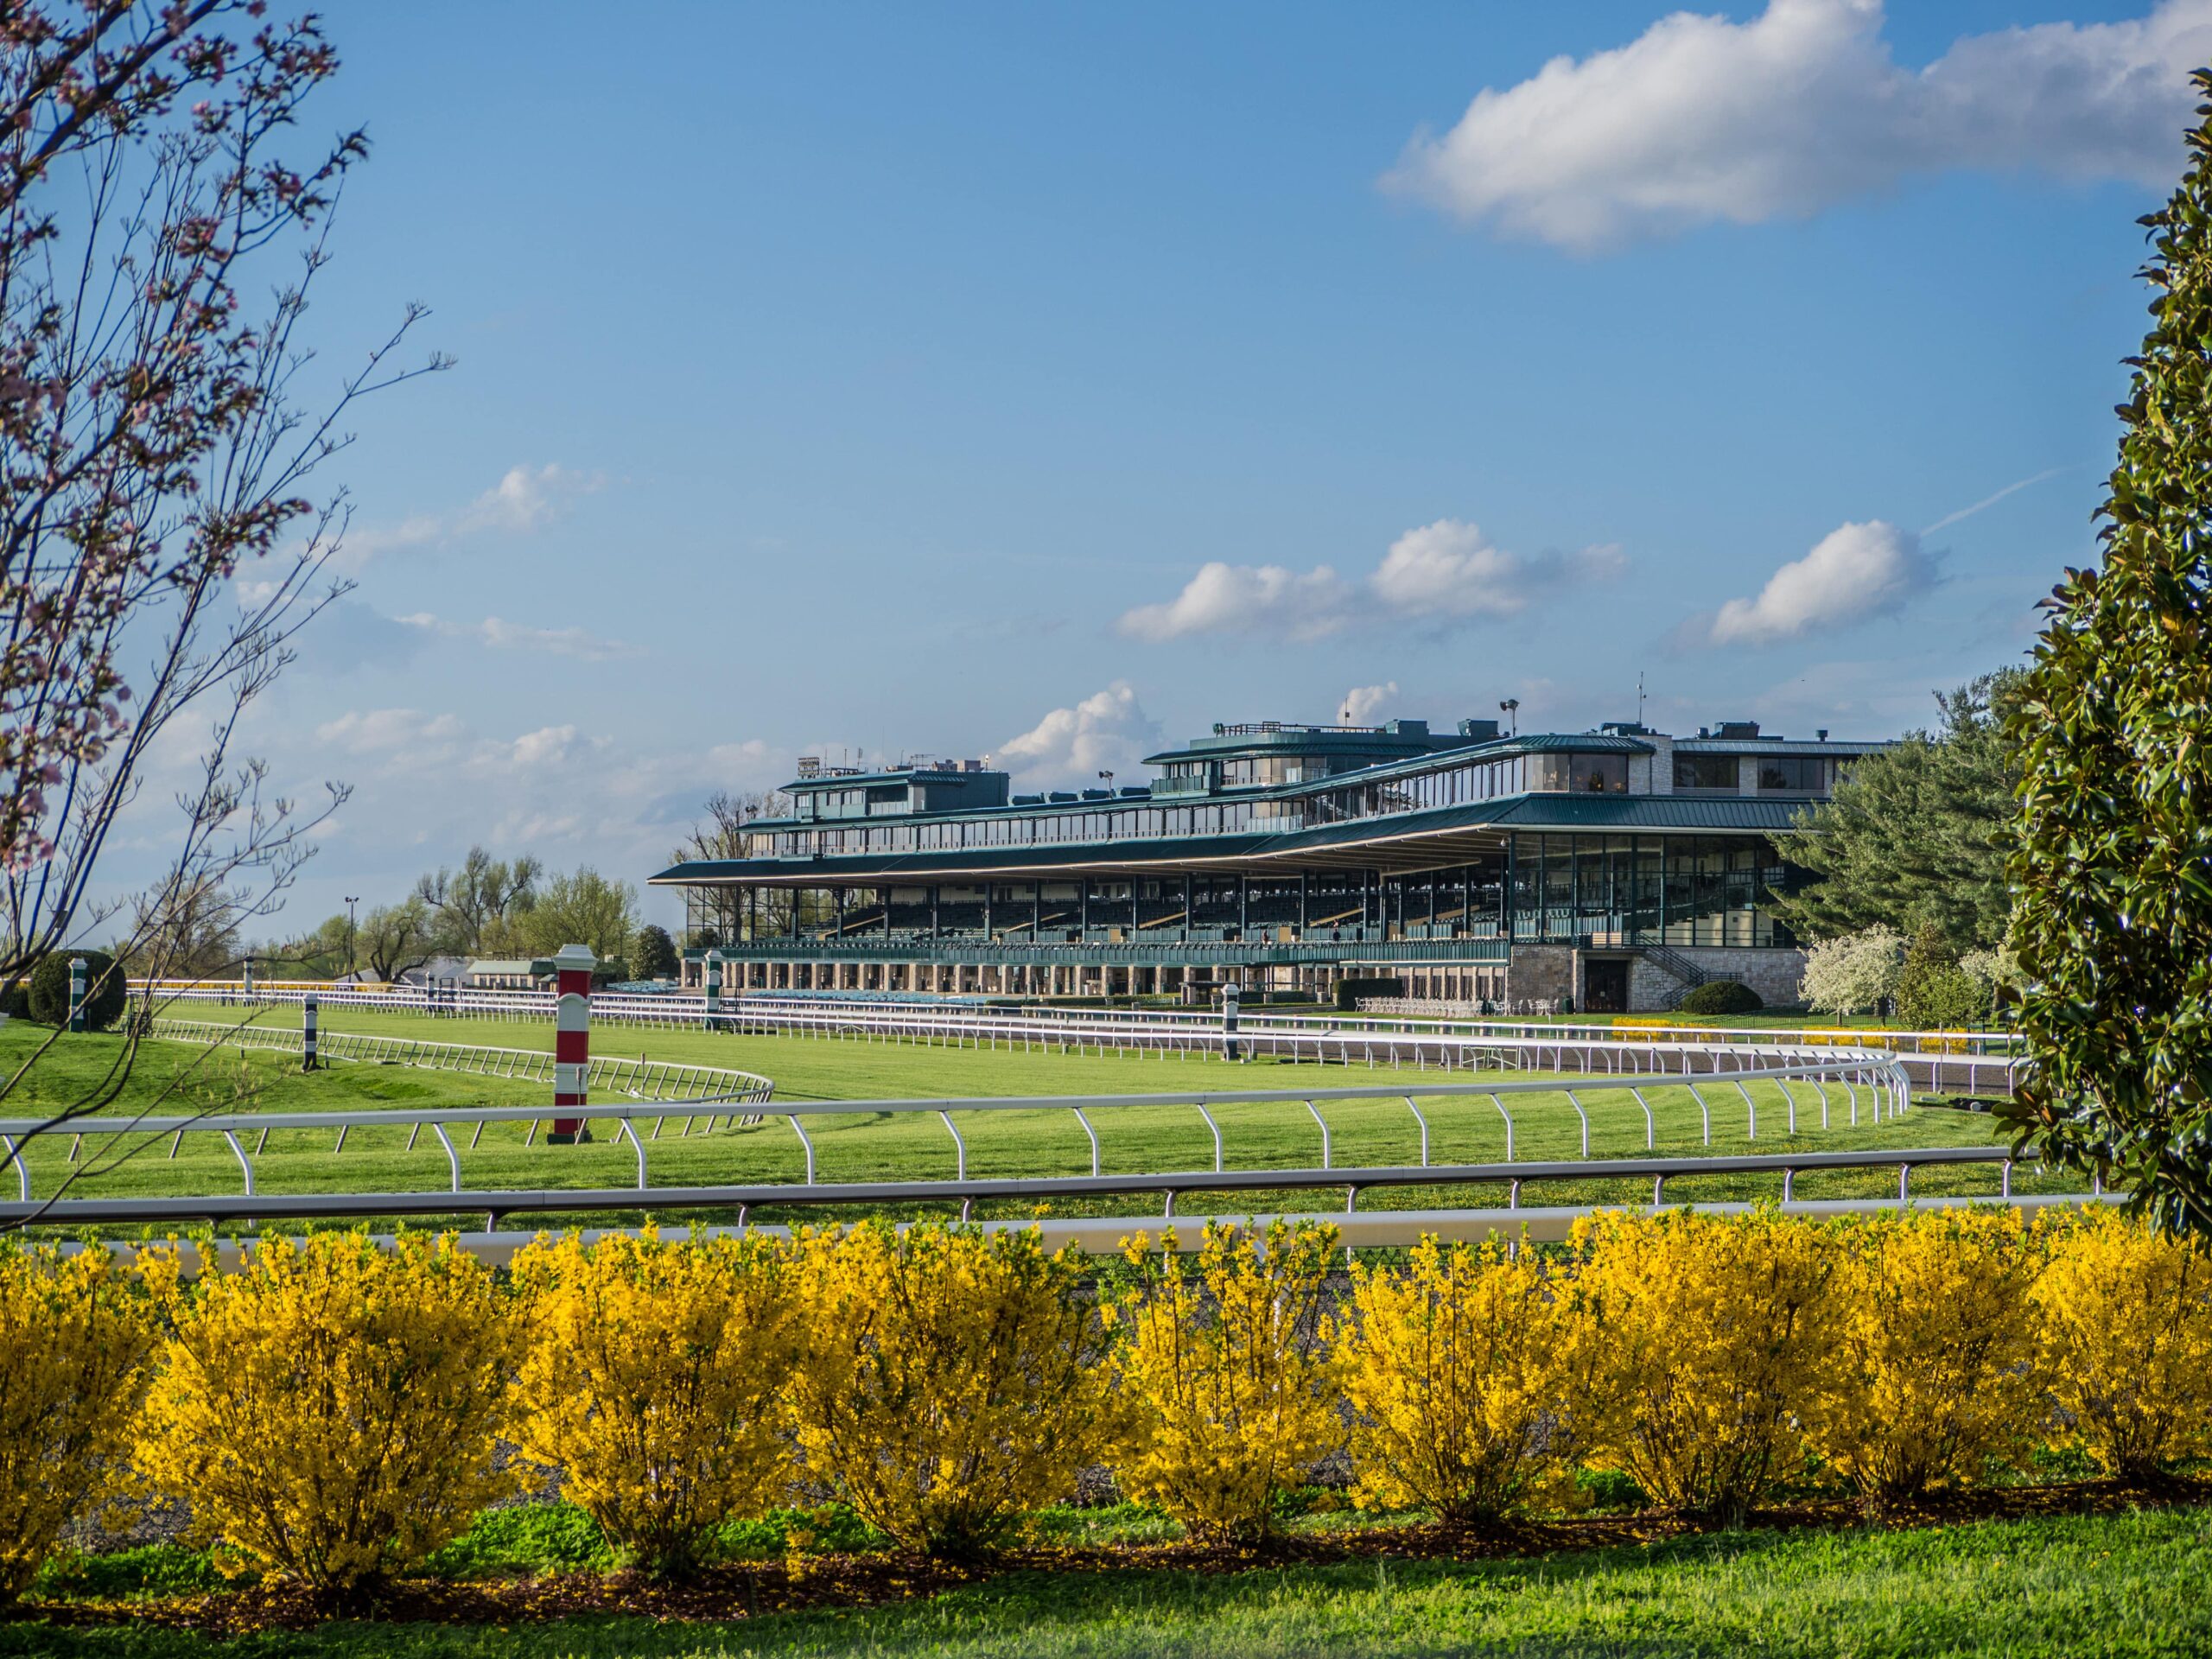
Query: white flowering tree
{"x":1855,"y":973}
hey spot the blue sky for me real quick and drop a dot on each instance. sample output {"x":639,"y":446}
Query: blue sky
{"x":886,"y":379}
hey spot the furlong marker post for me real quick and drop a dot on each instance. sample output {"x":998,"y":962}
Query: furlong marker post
{"x":308,"y":1010}
{"x":572,"y":967}
{"x":714,"y":990}
{"x":76,"y":992}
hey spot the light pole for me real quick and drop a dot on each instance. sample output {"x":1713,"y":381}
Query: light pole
{"x":350,"y":900}
{"x":1510,"y":709}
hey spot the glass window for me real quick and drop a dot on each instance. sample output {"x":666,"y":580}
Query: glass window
{"x":1794,"y":774}
{"x":1704,"y":771}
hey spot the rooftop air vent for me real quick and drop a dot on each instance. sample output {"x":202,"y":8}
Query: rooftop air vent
{"x":1482,"y":731}
{"x":1738,"y":728}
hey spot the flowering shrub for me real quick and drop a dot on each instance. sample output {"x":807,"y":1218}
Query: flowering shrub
{"x":329,"y":1408}
{"x":653,"y":1378}
{"x":1461,"y":1371}
{"x":1228,"y":1368}
{"x":1714,"y":1329}
{"x":74,"y":1337}
{"x":953,"y":1380}
{"x":2126,"y":1339}
{"x":1934,"y":1366}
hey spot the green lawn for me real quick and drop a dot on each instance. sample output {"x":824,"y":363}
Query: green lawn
{"x":874,"y":1145}
{"x":2118,"y":1585}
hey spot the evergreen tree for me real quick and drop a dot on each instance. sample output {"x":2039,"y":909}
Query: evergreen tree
{"x":1913,"y":836}
{"x":2112,"y":853}
{"x":656,"y":957}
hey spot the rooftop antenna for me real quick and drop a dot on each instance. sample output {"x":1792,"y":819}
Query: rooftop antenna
{"x":1510,"y":709}
{"x":1639,"y":696}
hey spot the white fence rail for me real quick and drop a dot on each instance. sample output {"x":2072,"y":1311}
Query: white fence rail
{"x":640,"y":1079}
{"x":1878,"y":1087}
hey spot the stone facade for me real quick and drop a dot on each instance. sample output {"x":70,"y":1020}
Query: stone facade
{"x":1551,"y":973}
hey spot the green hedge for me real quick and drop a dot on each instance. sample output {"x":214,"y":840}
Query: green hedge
{"x":1349,"y":991}
{"x":1722,"y":996}
{"x":105,"y":992}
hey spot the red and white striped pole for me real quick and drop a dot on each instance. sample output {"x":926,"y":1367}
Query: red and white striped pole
{"x":572,"y":966}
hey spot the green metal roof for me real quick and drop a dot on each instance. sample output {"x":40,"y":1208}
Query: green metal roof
{"x":1625,"y":814}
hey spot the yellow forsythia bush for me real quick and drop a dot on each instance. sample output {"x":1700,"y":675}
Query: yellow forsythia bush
{"x":2127,"y":1339}
{"x":953,"y":1379}
{"x":1462,"y":1372}
{"x":329,"y":1409}
{"x":653,"y":1378}
{"x":74,"y":1337}
{"x":1935,"y":1364}
{"x":1227,"y":1367}
{"x":1713,"y":1332}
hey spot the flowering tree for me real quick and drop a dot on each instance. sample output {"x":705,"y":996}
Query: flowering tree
{"x":1855,"y":972}
{"x":158,"y":550}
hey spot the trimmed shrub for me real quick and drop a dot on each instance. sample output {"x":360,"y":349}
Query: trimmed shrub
{"x":652,"y":1380}
{"x":74,"y":1337}
{"x":106,"y":991}
{"x":329,"y":1409}
{"x":2127,"y":1335}
{"x":1934,"y":1366}
{"x":1461,"y":1375}
{"x":953,"y":1380}
{"x":1714,"y":1329}
{"x":1350,"y":991}
{"x":1722,"y":996}
{"x":1228,"y":1372}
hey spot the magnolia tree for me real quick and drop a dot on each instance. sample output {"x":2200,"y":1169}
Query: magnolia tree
{"x":2112,"y":853}
{"x":1854,"y":973}
{"x":159,"y":548}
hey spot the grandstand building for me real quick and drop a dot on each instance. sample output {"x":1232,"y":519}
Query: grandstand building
{"x":1607,"y":871}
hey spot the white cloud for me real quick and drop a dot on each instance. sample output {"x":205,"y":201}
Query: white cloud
{"x":524,"y":499}
{"x":1248,"y":599}
{"x":1855,"y":572}
{"x":501,"y":635}
{"x":1364,"y":702}
{"x":1701,"y":119}
{"x":1108,"y":731}
{"x":375,"y":731}
{"x":1438,"y":574}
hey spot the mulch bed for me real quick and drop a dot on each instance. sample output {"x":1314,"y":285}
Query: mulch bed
{"x":733,"y":1593}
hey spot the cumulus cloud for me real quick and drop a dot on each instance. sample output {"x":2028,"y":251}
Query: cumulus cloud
{"x":1856,"y":571}
{"x":524,"y":499}
{"x":502,"y":635}
{"x":1364,"y":702}
{"x":1108,"y":731}
{"x":1248,"y":599}
{"x":1701,"y":119}
{"x":1439,"y":574}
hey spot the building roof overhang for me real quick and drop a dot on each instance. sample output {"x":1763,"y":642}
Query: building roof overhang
{"x":1408,"y":840}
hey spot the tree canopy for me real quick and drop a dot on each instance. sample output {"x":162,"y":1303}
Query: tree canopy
{"x":2112,"y":853}
{"x":1912,"y":837}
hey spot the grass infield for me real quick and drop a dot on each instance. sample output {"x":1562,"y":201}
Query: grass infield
{"x":174,"y":1077}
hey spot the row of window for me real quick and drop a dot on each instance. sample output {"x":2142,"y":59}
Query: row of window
{"x":1625,"y":889}
{"x":1464,"y":785}
{"x":1779,"y":774}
